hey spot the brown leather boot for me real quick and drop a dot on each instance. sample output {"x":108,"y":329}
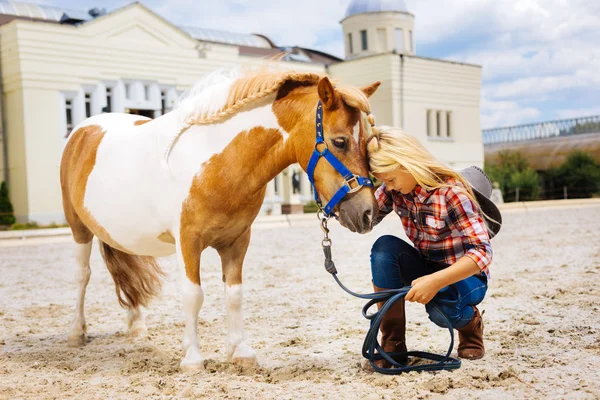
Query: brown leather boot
{"x":393,"y":329}
{"x":470,"y":338}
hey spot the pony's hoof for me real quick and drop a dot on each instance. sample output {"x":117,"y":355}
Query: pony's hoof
{"x":246,"y":364}
{"x":193,"y":360}
{"x":244,"y":357}
{"x":76,"y":341}
{"x":138,"y":331}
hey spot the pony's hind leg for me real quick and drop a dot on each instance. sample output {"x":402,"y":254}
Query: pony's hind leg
{"x":232,"y":258}
{"x":192,"y":295}
{"x":82,"y":275}
{"x":136,"y":323}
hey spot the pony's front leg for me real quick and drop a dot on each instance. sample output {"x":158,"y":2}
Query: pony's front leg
{"x":232,"y":258}
{"x":188,"y":257}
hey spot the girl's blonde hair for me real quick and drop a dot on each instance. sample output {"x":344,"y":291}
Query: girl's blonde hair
{"x":391,"y":148}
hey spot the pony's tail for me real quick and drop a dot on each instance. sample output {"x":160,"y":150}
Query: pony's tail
{"x":137,"y":278}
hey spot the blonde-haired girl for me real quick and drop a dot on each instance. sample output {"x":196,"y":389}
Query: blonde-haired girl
{"x":449,"y":219}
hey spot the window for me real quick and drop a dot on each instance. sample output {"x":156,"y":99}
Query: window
{"x":399,"y":40}
{"x":108,"y":107}
{"x":147,"y":92}
{"x":428,"y":117}
{"x":363,"y":39}
{"x":411,"y":44}
{"x":439,"y":124}
{"x":69,"y":115}
{"x":128,"y":91}
{"x":276,"y":186}
{"x":350,"y":48}
{"x":88,"y":105}
{"x":381,"y":39}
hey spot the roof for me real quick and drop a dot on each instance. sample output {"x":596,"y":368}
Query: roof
{"x":297,"y":54}
{"x":238,"y":39}
{"x":367,"y":6}
{"x":23,"y":10}
{"x":40,"y":12}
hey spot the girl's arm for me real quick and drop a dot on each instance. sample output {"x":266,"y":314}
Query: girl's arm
{"x":465,"y":219}
{"x":426,"y":287}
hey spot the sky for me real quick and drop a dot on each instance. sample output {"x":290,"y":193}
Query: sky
{"x":540,"y":58}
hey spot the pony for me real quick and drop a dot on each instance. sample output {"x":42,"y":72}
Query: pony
{"x":196,"y":177}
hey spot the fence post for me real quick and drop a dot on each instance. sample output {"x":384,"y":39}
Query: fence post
{"x":517,"y":195}
{"x":565,"y":192}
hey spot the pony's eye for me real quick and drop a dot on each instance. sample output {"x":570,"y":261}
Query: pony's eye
{"x":340,"y":143}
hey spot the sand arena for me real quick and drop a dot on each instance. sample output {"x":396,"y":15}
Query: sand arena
{"x":542,"y":321}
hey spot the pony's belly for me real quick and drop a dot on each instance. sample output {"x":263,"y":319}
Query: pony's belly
{"x":155,"y":247}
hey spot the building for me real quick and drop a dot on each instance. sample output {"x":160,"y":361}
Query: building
{"x":60,"y":66}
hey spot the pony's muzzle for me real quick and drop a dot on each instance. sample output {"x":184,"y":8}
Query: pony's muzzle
{"x":356,"y":214}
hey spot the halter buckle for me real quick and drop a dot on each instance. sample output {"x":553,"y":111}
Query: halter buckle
{"x":323,"y":144}
{"x":349,"y":182}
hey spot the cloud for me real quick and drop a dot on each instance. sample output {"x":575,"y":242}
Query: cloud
{"x":505,"y":113}
{"x":288,"y":23}
{"x":537,"y":55}
{"x":578,"y":112}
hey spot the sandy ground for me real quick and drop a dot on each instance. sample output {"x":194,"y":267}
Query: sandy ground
{"x":542,"y":322}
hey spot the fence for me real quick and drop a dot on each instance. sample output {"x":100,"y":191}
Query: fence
{"x":542,"y":130}
{"x":550,"y":193}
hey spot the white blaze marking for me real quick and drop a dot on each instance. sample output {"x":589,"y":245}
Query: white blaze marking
{"x":356,"y":131}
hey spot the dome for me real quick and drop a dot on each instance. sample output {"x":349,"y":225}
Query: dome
{"x":366,"y":6}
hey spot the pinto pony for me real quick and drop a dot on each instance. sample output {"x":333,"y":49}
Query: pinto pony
{"x":196,"y":177}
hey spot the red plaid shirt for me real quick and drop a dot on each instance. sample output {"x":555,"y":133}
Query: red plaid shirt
{"x":443,"y":224}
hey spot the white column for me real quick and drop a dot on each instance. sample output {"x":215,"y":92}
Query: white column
{"x":118,"y":97}
{"x":98,"y":97}
{"x":305,"y":187}
{"x":269,"y":196}
{"x":78,"y":104}
{"x":286,"y":187}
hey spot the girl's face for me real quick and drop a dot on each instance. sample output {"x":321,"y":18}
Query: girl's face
{"x":398,"y":180}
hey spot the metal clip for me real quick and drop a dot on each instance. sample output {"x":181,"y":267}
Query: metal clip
{"x":354,"y":179}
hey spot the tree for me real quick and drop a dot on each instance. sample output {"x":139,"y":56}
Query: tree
{"x":580,"y":173}
{"x":6,"y":209}
{"x":512,"y":171}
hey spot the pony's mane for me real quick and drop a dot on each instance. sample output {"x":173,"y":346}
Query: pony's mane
{"x":221,"y":94}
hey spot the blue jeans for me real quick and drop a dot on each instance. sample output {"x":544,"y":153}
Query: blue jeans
{"x":395,"y":263}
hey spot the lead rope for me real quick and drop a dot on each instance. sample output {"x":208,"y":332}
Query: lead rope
{"x":371,"y":349}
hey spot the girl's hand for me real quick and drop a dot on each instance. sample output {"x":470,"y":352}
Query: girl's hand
{"x":423,"y":289}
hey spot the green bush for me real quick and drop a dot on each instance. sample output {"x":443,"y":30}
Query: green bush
{"x":580,"y":173}
{"x":311,"y":207}
{"x":28,"y":225}
{"x":512,"y":171}
{"x":528,"y":183}
{"x":6,"y":209}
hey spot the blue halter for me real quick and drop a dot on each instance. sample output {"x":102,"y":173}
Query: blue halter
{"x":352,"y":182}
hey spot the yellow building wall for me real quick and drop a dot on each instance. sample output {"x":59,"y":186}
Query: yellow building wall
{"x":363,"y":72}
{"x":440,"y":85}
{"x":41,"y":60}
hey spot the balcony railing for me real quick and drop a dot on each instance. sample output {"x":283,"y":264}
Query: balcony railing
{"x":542,"y":130}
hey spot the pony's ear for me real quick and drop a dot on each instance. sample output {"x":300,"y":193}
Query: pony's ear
{"x":369,"y":90}
{"x":327,"y":93}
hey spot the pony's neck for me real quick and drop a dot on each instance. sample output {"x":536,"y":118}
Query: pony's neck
{"x":271,"y":155}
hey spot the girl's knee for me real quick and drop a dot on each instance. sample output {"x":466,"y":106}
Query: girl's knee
{"x":454,"y":317}
{"x":387,"y":244}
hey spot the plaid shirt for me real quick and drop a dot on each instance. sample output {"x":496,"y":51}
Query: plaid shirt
{"x":443,"y":224}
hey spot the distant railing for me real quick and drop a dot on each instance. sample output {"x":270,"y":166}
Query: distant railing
{"x":542,"y":130}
